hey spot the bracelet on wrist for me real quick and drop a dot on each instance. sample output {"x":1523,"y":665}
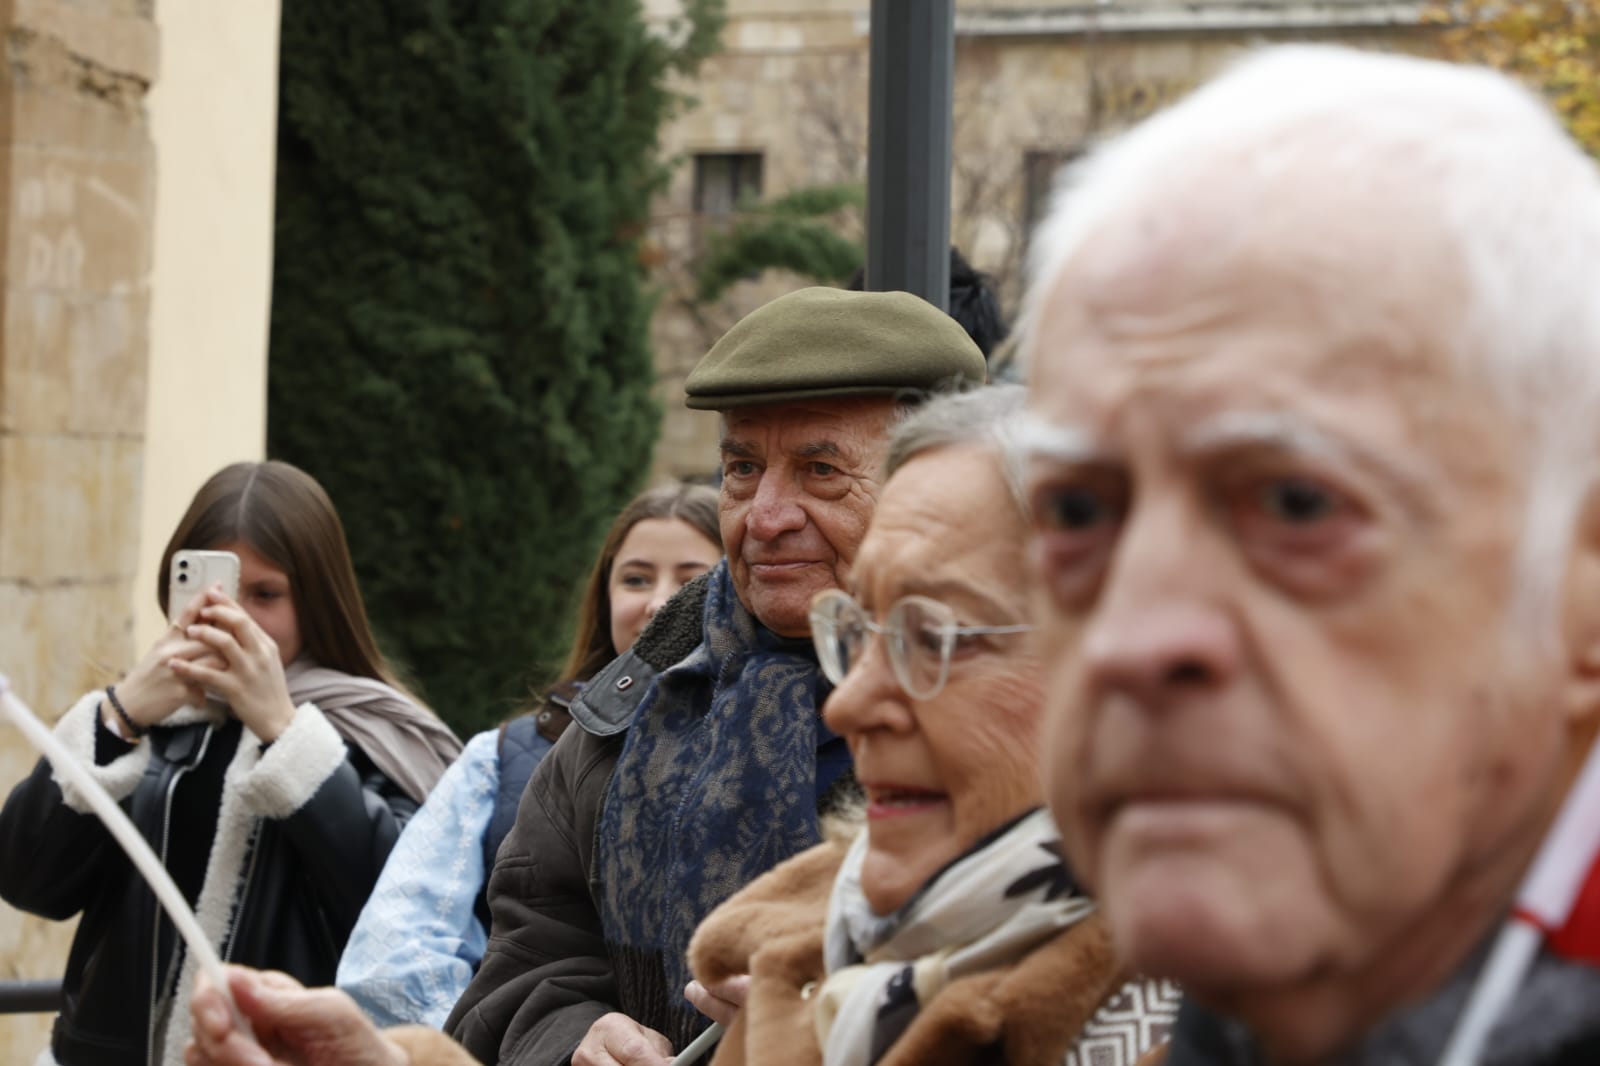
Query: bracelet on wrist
{"x":134,"y":730}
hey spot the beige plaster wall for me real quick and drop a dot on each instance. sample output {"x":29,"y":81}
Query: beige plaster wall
{"x":213,"y":116}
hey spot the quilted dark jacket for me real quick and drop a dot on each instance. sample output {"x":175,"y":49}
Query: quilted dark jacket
{"x":549,"y":973}
{"x":305,"y":878}
{"x":547,"y":976}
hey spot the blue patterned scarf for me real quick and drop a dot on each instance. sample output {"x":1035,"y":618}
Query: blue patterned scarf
{"x":717,"y":782}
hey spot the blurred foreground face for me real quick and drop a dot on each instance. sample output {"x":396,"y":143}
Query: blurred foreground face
{"x":1292,"y":735}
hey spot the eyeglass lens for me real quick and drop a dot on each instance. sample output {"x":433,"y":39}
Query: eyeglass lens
{"x":917,"y":631}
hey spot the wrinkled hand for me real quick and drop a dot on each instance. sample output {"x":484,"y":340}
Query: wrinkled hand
{"x":152,"y":690}
{"x":251,"y":679}
{"x":618,"y":1040}
{"x":719,"y":1002}
{"x":295,"y":1026}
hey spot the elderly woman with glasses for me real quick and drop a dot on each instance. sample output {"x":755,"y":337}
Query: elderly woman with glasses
{"x":947,"y":929}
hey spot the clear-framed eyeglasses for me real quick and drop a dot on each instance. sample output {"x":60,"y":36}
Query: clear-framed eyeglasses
{"x":919,"y":633}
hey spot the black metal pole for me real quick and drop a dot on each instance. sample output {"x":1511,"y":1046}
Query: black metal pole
{"x":30,"y":997}
{"x":908,"y":147}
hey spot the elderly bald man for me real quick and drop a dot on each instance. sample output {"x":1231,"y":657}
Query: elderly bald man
{"x":1315,"y":435}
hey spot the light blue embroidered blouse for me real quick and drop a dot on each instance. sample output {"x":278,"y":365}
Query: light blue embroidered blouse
{"x":418,"y":940}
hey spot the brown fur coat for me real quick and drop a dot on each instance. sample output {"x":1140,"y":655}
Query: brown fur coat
{"x":1028,"y":1015}
{"x":429,"y":1047}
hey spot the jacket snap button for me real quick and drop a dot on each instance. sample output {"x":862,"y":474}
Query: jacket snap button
{"x":624,"y":683}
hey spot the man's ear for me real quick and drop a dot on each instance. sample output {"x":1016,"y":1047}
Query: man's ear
{"x":1580,"y":620}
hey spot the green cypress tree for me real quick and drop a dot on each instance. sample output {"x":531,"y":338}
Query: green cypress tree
{"x":459,"y":344}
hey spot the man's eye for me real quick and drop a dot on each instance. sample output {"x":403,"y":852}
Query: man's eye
{"x":1294,"y":518}
{"x":1297,"y":502}
{"x":824,"y":469}
{"x":739,"y":468}
{"x":1070,"y":509}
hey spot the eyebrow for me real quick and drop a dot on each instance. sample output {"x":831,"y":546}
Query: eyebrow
{"x":1282,"y":432}
{"x":1063,"y":444}
{"x":1246,"y":428}
{"x":824,"y":449}
{"x":1410,"y":476}
{"x":946,"y":589}
{"x":819,"y":448}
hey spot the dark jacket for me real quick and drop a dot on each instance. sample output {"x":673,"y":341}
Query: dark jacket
{"x":547,"y":975}
{"x":303,"y":827}
{"x":1551,"y":1021}
{"x":522,"y":743}
{"x":549,"y":972}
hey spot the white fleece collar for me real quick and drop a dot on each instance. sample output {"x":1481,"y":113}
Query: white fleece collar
{"x":272,"y":784}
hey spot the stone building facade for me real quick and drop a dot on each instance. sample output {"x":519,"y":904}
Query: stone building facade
{"x":784,"y":106}
{"x":78,"y":171}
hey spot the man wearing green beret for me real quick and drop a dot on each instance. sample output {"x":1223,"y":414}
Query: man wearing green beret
{"x":700,"y":760}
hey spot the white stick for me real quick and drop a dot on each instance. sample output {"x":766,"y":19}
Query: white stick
{"x":1544,"y":901}
{"x":698,"y":1046}
{"x":1502,"y":975}
{"x":62,"y":761}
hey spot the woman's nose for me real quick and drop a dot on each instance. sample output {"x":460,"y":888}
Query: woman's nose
{"x":659,"y":596}
{"x":869,"y":696}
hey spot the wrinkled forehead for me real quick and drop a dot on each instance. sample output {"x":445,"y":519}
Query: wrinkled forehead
{"x":859,"y":420}
{"x":946,"y":525}
{"x":1301,"y":307}
{"x":1155,"y":214}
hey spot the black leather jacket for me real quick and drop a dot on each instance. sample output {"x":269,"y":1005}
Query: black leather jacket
{"x":304,"y":880}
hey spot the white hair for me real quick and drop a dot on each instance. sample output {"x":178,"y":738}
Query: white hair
{"x":1515,"y":199}
{"x":987,"y":417}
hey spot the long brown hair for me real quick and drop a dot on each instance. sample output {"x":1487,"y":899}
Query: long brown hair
{"x":284,"y":514}
{"x":591,"y":643}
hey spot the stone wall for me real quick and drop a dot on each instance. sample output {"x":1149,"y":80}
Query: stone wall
{"x":77,"y":170}
{"x":1032,"y":81}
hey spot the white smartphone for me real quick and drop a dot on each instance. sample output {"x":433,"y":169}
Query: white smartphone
{"x":195,"y":571}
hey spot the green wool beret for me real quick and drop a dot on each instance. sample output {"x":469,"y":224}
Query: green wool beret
{"x":824,"y":343}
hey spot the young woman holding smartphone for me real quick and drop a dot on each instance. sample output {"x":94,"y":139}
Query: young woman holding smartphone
{"x":263,"y":747}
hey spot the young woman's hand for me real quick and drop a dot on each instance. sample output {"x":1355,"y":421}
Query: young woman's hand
{"x":152,"y":690}
{"x":251,"y":677}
